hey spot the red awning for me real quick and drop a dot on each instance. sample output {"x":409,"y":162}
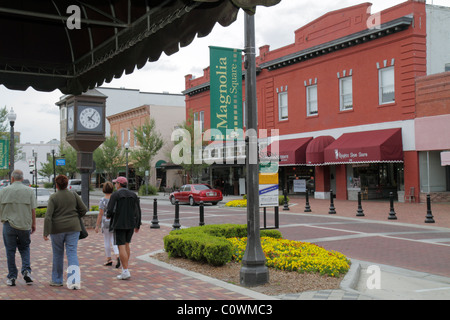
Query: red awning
{"x":366,"y":147}
{"x":314,"y":151}
{"x":291,"y":152}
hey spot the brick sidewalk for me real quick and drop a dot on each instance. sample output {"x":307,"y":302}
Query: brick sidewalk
{"x":148,"y":281}
{"x":152,"y":282}
{"x":414,"y":213}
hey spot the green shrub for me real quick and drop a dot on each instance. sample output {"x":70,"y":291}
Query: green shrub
{"x":149,"y":190}
{"x":208,"y":243}
{"x":281,"y":200}
{"x":40,"y":212}
{"x":94,"y":208}
{"x":48,"y":185}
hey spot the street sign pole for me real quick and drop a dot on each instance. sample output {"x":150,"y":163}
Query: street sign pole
{"x":253,"y":271}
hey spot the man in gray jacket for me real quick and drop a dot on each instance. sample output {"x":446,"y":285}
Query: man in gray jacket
{"x":125,"y":214}
{"x":18,"y":215}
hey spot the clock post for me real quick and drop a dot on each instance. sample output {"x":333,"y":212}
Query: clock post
{"x":85,"y":131}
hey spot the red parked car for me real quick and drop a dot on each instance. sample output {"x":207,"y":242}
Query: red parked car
{"x":194,"y":193}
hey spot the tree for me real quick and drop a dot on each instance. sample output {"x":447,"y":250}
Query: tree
{"x":192,"y":168}
{"x":70,"y":168}
{"x":109,"y":157}
{"x":150,"y":142}
{"x":5,"y":135}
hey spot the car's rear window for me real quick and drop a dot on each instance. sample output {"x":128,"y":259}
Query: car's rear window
{"x":202,"y":187}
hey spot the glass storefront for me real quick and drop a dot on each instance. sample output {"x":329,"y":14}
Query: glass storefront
{"x":375,"y":180}
{"x":291,"y":173}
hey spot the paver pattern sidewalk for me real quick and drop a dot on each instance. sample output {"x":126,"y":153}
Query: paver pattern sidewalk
{"x":407,"y":242}
{"x":148,"y":281}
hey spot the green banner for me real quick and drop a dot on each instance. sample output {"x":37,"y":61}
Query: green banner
{"x":226,"y":92}
{"x":4,"y":154}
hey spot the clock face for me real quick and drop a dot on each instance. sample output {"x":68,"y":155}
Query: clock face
{"x":90,"y":118}
{"x":70,"y":118}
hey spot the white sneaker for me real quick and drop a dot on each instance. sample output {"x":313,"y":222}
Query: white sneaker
{"x":74,"y":286}
{"x":125,"y":275}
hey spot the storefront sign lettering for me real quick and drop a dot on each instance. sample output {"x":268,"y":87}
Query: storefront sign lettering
{"x":350,"y":156}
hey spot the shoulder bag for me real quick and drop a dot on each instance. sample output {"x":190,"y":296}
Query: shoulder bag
{"x":83,"y":232}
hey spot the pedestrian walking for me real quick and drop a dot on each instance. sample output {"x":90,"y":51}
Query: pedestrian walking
{"x":103,"y":224}
{"x":62,"y":223}
{"x":18,"y":215}
{"x":125,"y":213}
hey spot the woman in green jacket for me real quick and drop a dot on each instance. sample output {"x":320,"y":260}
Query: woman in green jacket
{"x":63,"y":225}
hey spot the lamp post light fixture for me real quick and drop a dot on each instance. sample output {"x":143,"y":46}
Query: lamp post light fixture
{"x":12,"y":118}
{"x":127,"y":145}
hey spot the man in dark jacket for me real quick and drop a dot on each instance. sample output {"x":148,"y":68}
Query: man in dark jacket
{"x":125,"y":213}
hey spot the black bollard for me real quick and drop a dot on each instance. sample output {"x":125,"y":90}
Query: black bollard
{"x":285,"y":206}
{"x":176,"y":223}
{"x":429,"y":216}
{"x":360,"y":211}
{"x":332,"y":209}
{"x":307,"y":207}
{"x":155,"y":222}
{"x":392,"y":215}
{"x":202,"y":214}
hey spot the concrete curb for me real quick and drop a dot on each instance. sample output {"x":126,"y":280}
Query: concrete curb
{"x":351,"y":279}
{"x":242,"y":290}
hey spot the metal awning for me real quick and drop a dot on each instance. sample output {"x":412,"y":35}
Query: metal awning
{"x":115,"y":36}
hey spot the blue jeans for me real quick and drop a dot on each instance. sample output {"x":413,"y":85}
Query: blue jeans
{"x":16,"y":239}
{"x":69,"y":240}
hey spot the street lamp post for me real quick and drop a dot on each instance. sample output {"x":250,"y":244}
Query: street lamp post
{"x":253,"y":271}
{"x":54,"y":170}
{"x":127,"y":145}
{"x":12,"y":118}
{"x":35,"y":172}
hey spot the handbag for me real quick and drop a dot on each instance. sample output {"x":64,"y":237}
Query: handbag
{"x":83,"y":232}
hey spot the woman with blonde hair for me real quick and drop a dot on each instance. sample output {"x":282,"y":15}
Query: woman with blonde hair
{"x":103,"y":223}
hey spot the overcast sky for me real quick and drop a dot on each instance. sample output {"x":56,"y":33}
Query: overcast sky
{"x":38,"y":116}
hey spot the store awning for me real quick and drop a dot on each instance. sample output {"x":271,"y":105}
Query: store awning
{"x":78,"y":45}
{"x":366,"y":147}
{"x":315,"y":149}
{"x":291,"y":152}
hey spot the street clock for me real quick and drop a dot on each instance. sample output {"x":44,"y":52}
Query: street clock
{"x":85,"y":124}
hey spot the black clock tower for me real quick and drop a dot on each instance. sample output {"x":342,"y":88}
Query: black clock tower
{"x":85,"y":129}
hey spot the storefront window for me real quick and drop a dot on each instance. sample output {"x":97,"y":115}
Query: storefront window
{"x":377,"y":180}
{"x":289,"y":174}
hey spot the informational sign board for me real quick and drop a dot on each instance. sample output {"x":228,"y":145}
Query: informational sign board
{"x":300,"y":185}
{"x":60,"y":162}
{"x":4,"y":154}
{"x":268,"y":190}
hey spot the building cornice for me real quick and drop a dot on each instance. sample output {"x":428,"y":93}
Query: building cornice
{"x":352,"y":40}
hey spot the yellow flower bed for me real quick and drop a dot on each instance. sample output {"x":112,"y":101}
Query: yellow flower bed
{"x":296,"y":256}
{"x":236,"y":203}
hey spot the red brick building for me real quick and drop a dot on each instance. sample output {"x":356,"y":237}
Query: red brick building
{"x":344,"y":95}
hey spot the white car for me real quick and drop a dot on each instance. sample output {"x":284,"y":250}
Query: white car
{"x":74,"y":185}
{"x":42,"y":197}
